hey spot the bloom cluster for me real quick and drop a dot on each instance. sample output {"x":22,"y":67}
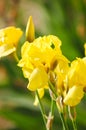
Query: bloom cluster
{"x":45,"y":67}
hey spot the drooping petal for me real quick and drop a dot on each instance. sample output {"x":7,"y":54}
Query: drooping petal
{"x":74,"y":96}
{"x":6,"y":50}
{"x":38,"y":79}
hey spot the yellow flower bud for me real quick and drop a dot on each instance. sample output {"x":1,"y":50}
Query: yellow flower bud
{"x":30,"y":30}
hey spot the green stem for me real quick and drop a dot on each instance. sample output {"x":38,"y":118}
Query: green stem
{"x":42,"y":109}
{"x":74,"y":124}
{"x":52,"y":107}
{"x":65,"y":127}
{"x":51,"y":115}
{"x":72,"y":115}
{"x":52,"y":89}
{"x":16,"y":57}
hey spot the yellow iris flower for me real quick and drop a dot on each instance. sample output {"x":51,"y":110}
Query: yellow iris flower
{"x":76,"y":82}
{"x":38,"y":58}
{"x":9,"y":38}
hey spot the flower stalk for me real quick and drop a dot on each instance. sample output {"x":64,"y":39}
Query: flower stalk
{"x":64,"y":123}
{"x":16,"y":57}
{"x":42,"y":110}
{"x":52,"y":89}
{"x":72,"y":115}
{"x":51,"y":116}
{"x":60,"y":108}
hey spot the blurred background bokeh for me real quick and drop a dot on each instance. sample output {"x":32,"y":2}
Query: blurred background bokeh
{"x":63,"y":18}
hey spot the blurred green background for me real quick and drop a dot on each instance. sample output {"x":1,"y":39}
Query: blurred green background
{"x":63,"y":18}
